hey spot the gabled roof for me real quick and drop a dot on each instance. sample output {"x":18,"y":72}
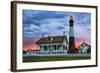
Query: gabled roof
{"x":52,"y":39}
{"x":83,"y":44}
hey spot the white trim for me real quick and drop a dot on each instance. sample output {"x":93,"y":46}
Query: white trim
{"x":21,"y":65}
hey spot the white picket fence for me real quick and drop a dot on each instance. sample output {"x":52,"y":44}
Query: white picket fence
{"x":55,"y":54}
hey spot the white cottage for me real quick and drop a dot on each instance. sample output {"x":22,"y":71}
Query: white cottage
{"x":52,"y":44}
{"x":84,"y":48}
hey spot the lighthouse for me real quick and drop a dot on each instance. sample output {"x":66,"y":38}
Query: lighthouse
{"x":71,"y":35}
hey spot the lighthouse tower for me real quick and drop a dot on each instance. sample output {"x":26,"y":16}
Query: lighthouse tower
{"x":71,"y":36}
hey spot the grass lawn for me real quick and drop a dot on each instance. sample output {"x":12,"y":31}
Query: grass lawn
{"x":53,"y":58}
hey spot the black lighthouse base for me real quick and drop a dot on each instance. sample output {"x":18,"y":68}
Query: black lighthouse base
{"x":72,"y":48}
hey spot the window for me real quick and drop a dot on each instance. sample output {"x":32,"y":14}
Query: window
{"x":45,"y":48}
{"x":50,"y":39}
{"x":64,"y":48}
{"x":59,"y":46}
{"x":54,"y":46}
{"x":40,"y":47}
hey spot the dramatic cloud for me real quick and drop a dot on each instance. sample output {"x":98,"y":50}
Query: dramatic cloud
{"x":50,"y":23}
{"x":82,"y":32}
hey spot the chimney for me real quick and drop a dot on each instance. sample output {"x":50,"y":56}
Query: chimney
{"x":63,"y":32}
{"x":42,"y":34}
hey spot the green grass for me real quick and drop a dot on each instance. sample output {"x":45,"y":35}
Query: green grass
{"x":53,"y":58}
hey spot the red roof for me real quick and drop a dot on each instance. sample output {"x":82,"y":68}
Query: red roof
{"x":52,"y":39}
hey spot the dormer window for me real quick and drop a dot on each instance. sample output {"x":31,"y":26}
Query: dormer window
{"x":50,"y":38}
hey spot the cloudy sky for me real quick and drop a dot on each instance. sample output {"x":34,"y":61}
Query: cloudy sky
{"x":51,"y":23}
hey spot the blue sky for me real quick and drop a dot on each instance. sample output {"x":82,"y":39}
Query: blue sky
{"x":50,"y":23}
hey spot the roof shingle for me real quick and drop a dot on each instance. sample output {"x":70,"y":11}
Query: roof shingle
{"x":51,"y":39}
